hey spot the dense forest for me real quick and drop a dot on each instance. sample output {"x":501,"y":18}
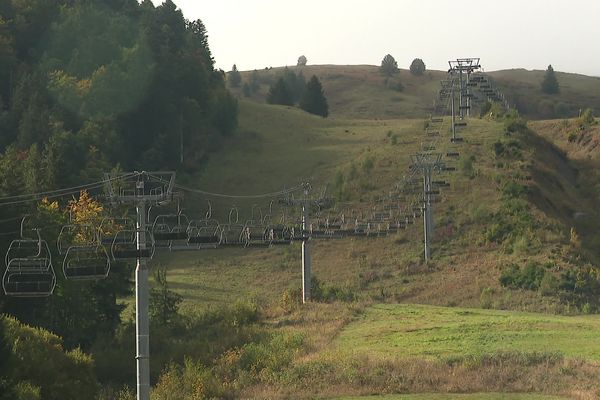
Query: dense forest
{"x":89,"y":86}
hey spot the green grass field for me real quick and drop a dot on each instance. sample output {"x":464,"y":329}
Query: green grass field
{"x":403,"y":330}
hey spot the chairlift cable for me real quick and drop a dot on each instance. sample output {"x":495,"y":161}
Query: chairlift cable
{"x":59,"y":192}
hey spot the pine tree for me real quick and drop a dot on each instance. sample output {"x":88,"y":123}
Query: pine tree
{"x":550,"y":83}
{"x":280,"y":93}
{"x":417,"y":67}
{"x":313,"y":100}
{"x":389,"y":66}
{"x":302,"y":61}
{"x":234,"y":78}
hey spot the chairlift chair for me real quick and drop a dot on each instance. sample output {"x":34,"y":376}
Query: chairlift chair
{"x":68,"y":236}
{"x":28,"y":278}
{"x":170,"y":230}
{"x":255,"y":234}
{"x":281,"y":234}
{"x":124,"y":245}
{"x":106,"y":235}
{"x":29,"y":271}
{"x":204,"y":234}
{"x":86,"y":263}
{"x":231,"y":235}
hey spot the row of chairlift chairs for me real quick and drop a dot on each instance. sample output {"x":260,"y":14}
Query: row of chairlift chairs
{"x":89,"y":251}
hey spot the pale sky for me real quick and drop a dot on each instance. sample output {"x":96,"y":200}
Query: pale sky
{"x":504,"y":33}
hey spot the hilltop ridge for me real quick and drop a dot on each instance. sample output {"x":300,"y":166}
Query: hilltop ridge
{"x":361,"y":91}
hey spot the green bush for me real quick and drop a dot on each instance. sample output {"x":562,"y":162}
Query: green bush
{"x":512,"y":190}
{"x":39,"y":368}
{"x":549,"y":285}
{"x":368,"y":164}
{"x":465,"y":166}
{"x":529,"y":278}
{"x":486,"y":297}
{"x":329,"y":293}
{"x":513,"y":122}
{"x":192,"y":380}
{"x":587,"y":118}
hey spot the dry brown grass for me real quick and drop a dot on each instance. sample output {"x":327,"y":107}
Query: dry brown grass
{"x":331,"y":376}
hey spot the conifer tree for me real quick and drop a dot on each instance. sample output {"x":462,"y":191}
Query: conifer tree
{"x":550,"y":83}
{"x":280,"y":93}
{"x":389,"y":66}
{"x":417,"y":67}
{"x":234,"y":78}
{"x":313,"y":100}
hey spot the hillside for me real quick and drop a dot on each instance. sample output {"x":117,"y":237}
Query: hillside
{"x":362,"y":92}
{"x":507,"y":216}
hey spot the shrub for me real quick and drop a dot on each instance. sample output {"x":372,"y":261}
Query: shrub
{"x":291,"y":299}
{"x":485,"y":299}
{"x":529,"y":278}
{"x":512,"y":190}
{"x":586,"y":118}
{"x":465,"y":166}
{"x":549,"y":285}
{"x":368,"y":164}
{"x":190,"y":381}
{"x":327,"y":294}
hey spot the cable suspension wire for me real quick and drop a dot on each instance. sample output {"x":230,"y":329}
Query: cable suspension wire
{"x":58,"y":192}
{"x":233,"y":196}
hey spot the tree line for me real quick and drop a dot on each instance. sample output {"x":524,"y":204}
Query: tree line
{"x":88,"y":86}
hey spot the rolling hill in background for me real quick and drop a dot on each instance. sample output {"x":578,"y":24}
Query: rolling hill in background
{"x":363,"y":92}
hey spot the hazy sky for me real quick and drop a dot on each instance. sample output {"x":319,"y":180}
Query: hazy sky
{"x":505,"y":33}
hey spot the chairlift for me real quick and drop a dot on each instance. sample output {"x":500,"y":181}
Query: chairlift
{"x":231,"y":235}
{"x":74,"y":235}
{"x":281,"y":234}
{"x":204,"y":234}
{"x":255,"y":234}
{"x":170,"y":227}
{"x":86,"y":263}
{"x":125,"y":245}
{"x":29,"y":271}
{"x":109,"y":226}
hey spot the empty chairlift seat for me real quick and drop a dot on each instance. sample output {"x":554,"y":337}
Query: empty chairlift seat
{"x":232,"y":235}
{"x":171,"y":231}
{"x":255,"y":234}
{"x":125,"y":245}
{"x":280,"y":234}
{"x":29,"y":271}
{"x":86,"y":263}
{"x":204,"y":234}
{"x":76,"y":235}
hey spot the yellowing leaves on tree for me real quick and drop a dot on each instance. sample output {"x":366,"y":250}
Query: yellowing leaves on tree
{"x":85,"y":211}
